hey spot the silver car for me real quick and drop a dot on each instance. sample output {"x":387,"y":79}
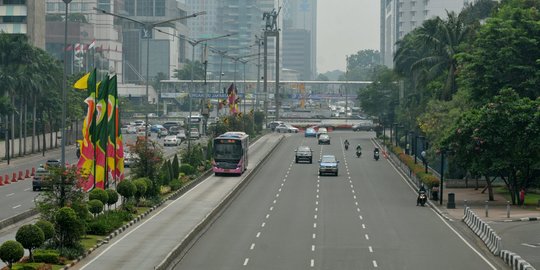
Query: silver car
{"x":171,"y":140}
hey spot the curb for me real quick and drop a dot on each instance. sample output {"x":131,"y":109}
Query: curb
{"x":519,"y":219}
{"x":177,"y":251}
{"x":19,"y":217}
{"x":515,"y":261}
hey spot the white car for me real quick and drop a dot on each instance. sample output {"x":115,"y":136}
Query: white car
{"x":285,"y":128}
{"x":321,"y":131}
{"x":171,"y":140}
{"x":181,"y":135}
{"x":194,"y":133}
{"x":131,"y":129}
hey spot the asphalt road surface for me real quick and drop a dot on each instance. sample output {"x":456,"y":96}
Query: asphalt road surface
{"x":522,"y":238}
{"x":288,"y":217}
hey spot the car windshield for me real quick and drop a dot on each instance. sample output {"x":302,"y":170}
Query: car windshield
{"x":310,"y":130}
{"x":322,"y":130}
{"x":329,"y":159}
{"x":303,"y":149}
{"x":324,"y":136}
{"x":227,"y":151}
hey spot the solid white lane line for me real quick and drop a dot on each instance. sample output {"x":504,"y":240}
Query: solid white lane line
{"x":27,"y":189}
{"x":312,"y":263}
{"x":363,"y":226}
{"x":367,"y":236}
{"x":370,"y":249}
{"x":16,"y":206}
{"x":361,"y":217}
{"x":246,"y":261}
{"x":263,"y":224}
{"x":267,"y":216}
{"x":375,"y":264}
{"x":258,"y":234}
{"x":252,"y":246}
{"x":271,"y":208}
{"x":10,"y":194}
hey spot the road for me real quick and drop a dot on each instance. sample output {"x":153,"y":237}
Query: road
{"x":288,"y":217}
{"x":521,"y":238}
{"x":18,"y":197}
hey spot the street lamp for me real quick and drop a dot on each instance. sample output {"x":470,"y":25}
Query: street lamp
{"x":443,"y":152}
{"x":64,"y":102}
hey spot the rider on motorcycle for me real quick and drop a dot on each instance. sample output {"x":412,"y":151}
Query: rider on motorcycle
{"x":346,"y":143}
{"x":376,"y":153}
{"x":420,"y":191}
{"x":358,"y":148}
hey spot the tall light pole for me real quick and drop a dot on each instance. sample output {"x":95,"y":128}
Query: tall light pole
{"x":64,"y":99}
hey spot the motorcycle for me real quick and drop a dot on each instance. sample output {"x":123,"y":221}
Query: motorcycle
{"x":422,"y":198}
{"x":358,"y":153}
{"x":346,"y":147}
{"x":376,"y":155}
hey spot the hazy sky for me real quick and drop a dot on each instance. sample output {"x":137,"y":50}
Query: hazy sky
{"x":345,"y":27}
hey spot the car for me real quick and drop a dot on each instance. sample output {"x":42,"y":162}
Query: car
{"x":321,"y":130}
{"x":328,"y":164}
{"x":194,"y":133}
{"x":174,"y":130}
{"x":324,"y":139}
{"x":131,"y":129}
{"x":285,"y":128}
{"x":272,"y":125}
{"x":303,"y":153}
{"x":310,"y":132}
{"x":139,"y":123}
{"x":39,"y":181}
{"x":162,"y":132}
{"x":155,"y":128}
{"x":124,"y":129}
{"x":362,"y":127}
{"x":168,"y":125}
{"x":181,"y":135}
{"x":171,"y":140}
{"x":129,"y":159}
{"x":52,"y":163}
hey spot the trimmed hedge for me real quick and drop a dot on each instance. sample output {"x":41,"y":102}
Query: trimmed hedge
{"x":418,"y":169}
{"x":47,"y":256}
{"x":108,"y":222}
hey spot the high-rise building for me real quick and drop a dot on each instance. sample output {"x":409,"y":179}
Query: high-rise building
{"x":300,"y":37}
{"x":24,"y":17}
{"x":399,"y":17}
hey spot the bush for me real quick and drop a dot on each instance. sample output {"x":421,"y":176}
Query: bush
{"x":108,"y":222}
{"x":113,"y":197}
{"x":11,"y":251}
{"x":47,"y":228}
{"x":81,"y":209}
{"x":175,"y":184}
{"x":95,"y":206}
{"x":99,"y":194}
{"x":140,"y":188}
{"x":30,"y":236}
{"x":47,"y":256}
{"x":127,"y":189}
{"x":72,"y":252}
{"x":187,"y":169}
{"x":69,"y":228}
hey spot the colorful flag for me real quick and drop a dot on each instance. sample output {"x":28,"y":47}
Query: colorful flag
{"x":86,"y":160}
{"x":101,"y":134}
{"x":82,"y":83}
{"x":92,"y":44}
{"x":114,"y":171}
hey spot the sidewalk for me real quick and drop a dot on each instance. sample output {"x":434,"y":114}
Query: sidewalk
{"x":476,"y":200}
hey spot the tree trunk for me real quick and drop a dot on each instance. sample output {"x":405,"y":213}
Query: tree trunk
{"x":6,"y":135}
{"x":44,"y":137}
{"x":34,"y":125}
{"x":25,"y":131}
{"x":21,"y":111}
{"x":12,"y":149}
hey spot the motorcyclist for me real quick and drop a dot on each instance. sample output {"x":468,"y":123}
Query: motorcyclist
{"x":358,"y":148}
{"x":376,"y":153}
{"x":346,"y":143}
{"x":420,"y":191}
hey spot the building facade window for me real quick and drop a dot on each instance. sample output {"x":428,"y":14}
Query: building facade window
{"x":160,"y":8}
{"x":13,"y":19}
{"x":413,"y":13}
{"x":14,"y":2}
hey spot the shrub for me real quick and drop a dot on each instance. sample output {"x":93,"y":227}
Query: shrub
{"x":175,"y":184}
{"x":30,"y":236}
{"x":72,"y":252}
{"x":113,"y":197}
{"x":151,"y":188}
{"x":140,"y":189}
{"x":11,"y":251}
{"x":99,"y":194}
{"x":187,"y":169}
{"x":81,"y":209}
{"x":108,"y":222}
{"x":47,"y":256}
{"x":69,"y":228}
{"x":47,"y":228}
{"x":95,"y":206}
{"x":126,"y":189}
{"x":175,"y":165}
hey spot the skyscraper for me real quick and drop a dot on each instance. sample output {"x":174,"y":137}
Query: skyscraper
{"x":24,"y":17}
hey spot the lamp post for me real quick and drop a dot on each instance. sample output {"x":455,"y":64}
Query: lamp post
{"x":424,"y":153}
{"x":443,"y":152}
{"x":64,"y":102}
{"x":396,"y":126}
{"x":415,"y":148}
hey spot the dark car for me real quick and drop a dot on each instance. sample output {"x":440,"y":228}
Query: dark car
{"x":272,"y":125}
{"x":52,"y":163}
{"x":168,"y":125}
{"x":328,"y":164}
{"x":362,"y":127}
{"x":39,"y":181}
{"x":174,"y":130}
{"x":303,"y":153}
{"x":324,"y":139}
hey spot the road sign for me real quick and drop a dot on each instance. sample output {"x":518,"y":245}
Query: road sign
{"x":213,"y":95}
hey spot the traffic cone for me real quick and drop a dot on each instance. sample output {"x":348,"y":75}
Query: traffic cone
{"x":20,"y":176}
{"x":14,"y":178}
{"x":1,"y":181}
{"x":27,"y":175}
{"x":7,"y":179}
{"x":33,"y":171}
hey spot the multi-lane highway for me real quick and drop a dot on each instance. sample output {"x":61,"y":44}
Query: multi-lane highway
{"x":288,"y":217}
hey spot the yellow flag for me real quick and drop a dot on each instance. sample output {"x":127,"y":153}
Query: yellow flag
{"x":82,"y":83}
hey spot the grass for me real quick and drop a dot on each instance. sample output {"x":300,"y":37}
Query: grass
{"x":531,"y":199}
{"x":90,"y":241}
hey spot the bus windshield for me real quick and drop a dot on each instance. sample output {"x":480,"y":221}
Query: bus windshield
{"x":227,"y":151}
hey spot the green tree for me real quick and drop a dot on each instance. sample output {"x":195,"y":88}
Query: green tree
{"x":380,"y":97}
{"x":140,"y":191}
{"x":362,"y":66}
{"x":150,"y":157}
{"x":127,"y":189}
{"x":505,"y":54}
{"x":69,"y":228}
{"x":95,"y":206}
{"x":185,"y":72}
{"x":175,"y":166}
{"x":99,"y":194}
{"x":11,"y":252}
{"x":112,"y":197}
{"x":47,"y":228}
{"x":30,"y":236}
